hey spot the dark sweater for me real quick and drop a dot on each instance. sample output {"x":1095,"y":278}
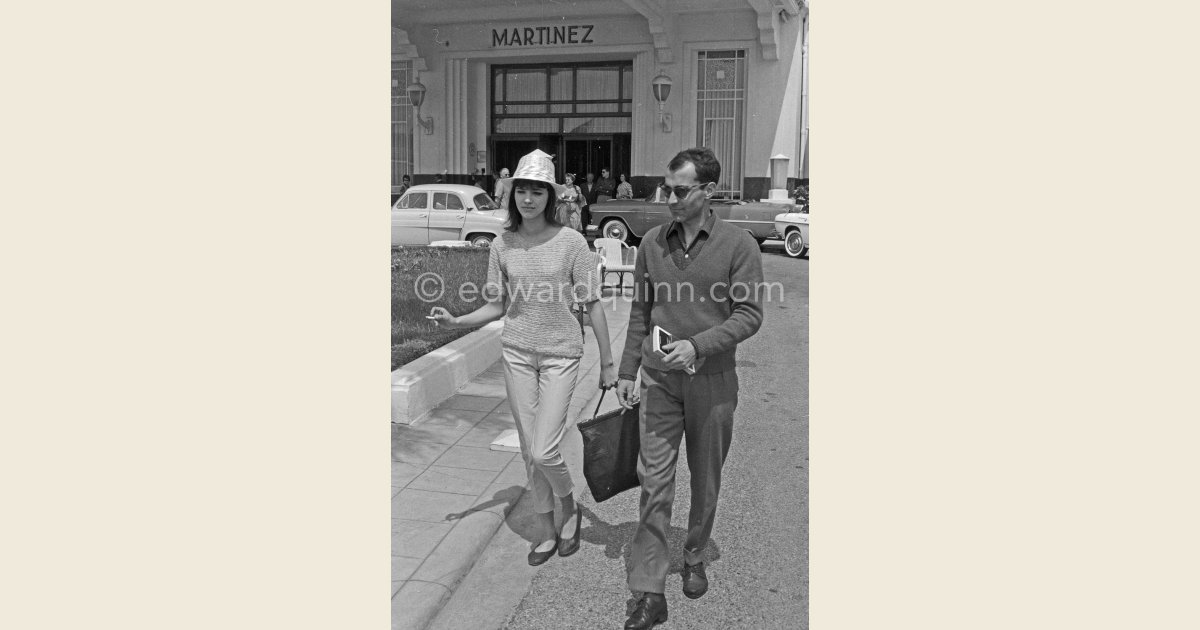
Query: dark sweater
{"x":697,"y":302}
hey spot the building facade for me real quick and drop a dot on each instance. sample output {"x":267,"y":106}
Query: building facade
{"x":616,"y":84}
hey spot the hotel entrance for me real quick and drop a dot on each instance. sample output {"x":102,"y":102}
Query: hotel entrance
{"x":580,"y":113}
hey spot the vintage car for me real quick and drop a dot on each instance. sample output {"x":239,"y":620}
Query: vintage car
{"x":629,"y":219}
{"x":793,"y":226}
{"x":446,"y":212}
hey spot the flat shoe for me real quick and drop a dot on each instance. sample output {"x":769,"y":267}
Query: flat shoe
{"x":540,"y":557}
{"x":571,"y":545}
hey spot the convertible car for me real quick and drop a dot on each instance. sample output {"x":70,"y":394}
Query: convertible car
{"x":629,"y":219}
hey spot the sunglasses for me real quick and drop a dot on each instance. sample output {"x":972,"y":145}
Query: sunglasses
{"x":681,"y":192}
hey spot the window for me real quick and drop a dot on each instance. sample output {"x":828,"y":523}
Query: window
{"x":721,"y":112}
{"x":414,"y":200}
{"x":544,"y":99}
{"x":484,"y":202}
{"x":446,"y":201}
{"x":402,"y":121}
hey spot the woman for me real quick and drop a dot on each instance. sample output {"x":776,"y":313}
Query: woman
{"x":542,"y":268}
{"x":568,"y":204}
{"x":624,"y":190}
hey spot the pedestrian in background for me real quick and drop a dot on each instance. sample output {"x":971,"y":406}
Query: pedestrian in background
{"x":723,"y":268}
{"x":624,"y":189}
{"x":605,"y":187}
{"x":503,"y":189}
{"x":542,"y":341}
{"x":568,"y":204}
{"x":405,"y":183}
{"x":588,"y":188}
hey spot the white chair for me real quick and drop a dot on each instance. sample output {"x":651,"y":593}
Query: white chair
{"x":615,"y":257}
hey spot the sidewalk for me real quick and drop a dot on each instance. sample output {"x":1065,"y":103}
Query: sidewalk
{"x":450,"y":492}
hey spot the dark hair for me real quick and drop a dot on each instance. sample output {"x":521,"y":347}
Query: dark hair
{"x":708,"y":169}
{"x":514,"y":215}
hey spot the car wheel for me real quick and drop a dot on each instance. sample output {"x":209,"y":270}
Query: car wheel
{"x":793,"y":244}
{"x":482,"y":240}
{"x":614,"y":228}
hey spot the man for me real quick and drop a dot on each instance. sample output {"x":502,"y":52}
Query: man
{"x":503,"y":188}
{"x":587,"y":188}
{"x":698,"y":278}
{"x":405,"y":183}
{"x":606,"y":187}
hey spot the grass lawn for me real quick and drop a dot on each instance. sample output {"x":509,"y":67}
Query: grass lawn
{"x":412,"y":334}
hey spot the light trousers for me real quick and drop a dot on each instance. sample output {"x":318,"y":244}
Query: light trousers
{"x":675,"y":404}
{"x":539,"y":392}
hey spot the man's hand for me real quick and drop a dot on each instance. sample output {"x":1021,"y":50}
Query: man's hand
{"x":626,"y":393}
{"x":680,"y":354}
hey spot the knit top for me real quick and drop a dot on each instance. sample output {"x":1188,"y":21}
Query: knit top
{"x":540,"y":283}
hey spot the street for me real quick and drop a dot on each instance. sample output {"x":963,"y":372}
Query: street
{"x":758,"y":555}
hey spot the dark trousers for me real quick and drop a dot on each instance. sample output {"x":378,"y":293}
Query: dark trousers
{"x":673,"y":405}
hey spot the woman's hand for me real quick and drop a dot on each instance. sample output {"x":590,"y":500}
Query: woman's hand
{"x":627,"y":393}
{"x":608,"y":376}
{"x":439,"y":316}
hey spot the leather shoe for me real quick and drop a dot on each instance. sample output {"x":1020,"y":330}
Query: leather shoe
{"x":540,"y":557}
{"x":651,"y":609}
{"x":695,"y":583}
{"x":571,"y":545}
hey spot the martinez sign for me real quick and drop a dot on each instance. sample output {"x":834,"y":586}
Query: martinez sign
{"x":543,"y":35}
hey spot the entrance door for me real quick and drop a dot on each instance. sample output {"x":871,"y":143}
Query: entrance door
{"x":507,"y":152}
{"x":590,"y":154}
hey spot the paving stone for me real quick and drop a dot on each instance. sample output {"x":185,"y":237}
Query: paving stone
{"x":403,"y":473}
{"x":453,"y":417}
{"x":416,"y":539}
{"x":514,"y":473}
{"x":415,"y":604}
{"x":498,"y":421}
{"x":485,"y":388}
{"x":471,"y":403}
{"x":402,"y":568}
{"x":499,"y":498}
{"x":456,"y":480}
{"x":419,"y":453}
{"x":480,"y":437}
{"x":453,"y":557}
{"x":429,"y":432}
{"x":476,"y":458}
{"x":433,"y":507}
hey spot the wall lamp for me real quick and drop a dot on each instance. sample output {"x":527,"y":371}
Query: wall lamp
{"x":662,"y":89}
{"x":416,"y":96}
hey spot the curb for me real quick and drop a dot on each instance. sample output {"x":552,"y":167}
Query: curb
{"x":422,"y":384}
{"x":484,"y":599}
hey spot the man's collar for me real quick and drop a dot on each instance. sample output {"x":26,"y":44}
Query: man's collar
{"x":705,"y":227}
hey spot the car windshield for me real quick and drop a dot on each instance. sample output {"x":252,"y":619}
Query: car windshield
{"x":484,"y":202}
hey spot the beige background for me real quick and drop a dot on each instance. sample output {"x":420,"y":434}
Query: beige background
{"x":1004,"y":345}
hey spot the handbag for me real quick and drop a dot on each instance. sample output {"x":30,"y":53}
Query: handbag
{"x":610,"y":450}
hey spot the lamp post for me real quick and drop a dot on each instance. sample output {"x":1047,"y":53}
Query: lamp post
{"x":661,"y":87}
{"x":416,"y":96}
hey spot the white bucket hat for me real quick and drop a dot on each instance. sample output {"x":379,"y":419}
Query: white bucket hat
{"x":539,"y":167}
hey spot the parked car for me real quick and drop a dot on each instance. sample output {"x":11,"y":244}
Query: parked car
{"x":629,"y":219}
{"x":793,"y":226}
{"x":446,"y":212}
